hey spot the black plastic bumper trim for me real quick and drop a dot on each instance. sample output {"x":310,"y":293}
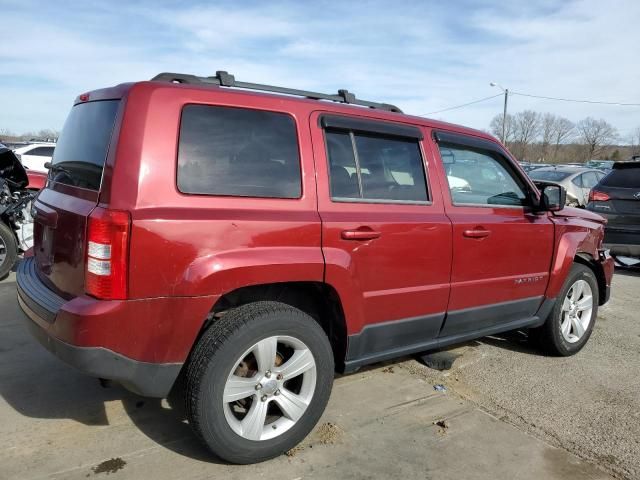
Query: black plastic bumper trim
{"x":35,"y":294}
{"x":358,"y":355}
{"x":144,"y":378}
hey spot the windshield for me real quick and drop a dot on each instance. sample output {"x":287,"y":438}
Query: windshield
{"x":83,"y":144}
{"x":549,"y":175}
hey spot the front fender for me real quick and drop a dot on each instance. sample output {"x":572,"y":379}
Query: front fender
{"x":573,"y":237}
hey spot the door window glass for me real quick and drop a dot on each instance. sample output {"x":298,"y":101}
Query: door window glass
{"x":375,"y":167}
{"x":480,"y":177}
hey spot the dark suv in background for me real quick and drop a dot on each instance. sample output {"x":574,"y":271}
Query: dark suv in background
{"x":617,"y":198}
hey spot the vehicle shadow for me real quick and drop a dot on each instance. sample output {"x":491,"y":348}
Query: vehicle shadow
{"x":515,"y":341}
{"x":37,"y":385}
{"x":628,"y":271}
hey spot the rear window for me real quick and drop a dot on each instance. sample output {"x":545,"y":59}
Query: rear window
{"x":626,"y":177}
{"x":238,"y":152}
{"x":548,"y":175}
{"x":81,"y":150}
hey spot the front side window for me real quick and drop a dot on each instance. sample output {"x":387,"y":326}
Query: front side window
{"x":368,"y":166}
{"x":480,"y":177}
{"x":238,"y":152}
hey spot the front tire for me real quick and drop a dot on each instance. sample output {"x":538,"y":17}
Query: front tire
{"x":258,"y":381}
{"x":569,"y":326}
{"x":8,"y":250}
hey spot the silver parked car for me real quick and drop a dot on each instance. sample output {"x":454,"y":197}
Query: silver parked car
{"x":577,"y":180}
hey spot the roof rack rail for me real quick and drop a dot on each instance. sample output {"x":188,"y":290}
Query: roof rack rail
{"x":224,"y":79}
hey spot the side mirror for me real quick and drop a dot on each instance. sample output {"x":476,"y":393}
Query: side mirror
{"x":553,"y":198}
{"x":447,"y":156}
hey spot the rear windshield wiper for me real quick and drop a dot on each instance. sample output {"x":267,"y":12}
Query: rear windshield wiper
{"x":58,"y":168}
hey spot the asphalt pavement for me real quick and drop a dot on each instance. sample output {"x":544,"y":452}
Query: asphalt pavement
{"x":588,"y":404}
{"x":507,"y":413}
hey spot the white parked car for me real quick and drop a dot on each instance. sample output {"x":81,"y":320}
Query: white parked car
{"x":35,"y":155}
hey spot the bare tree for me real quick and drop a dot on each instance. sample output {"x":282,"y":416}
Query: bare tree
{"x":526,"y":130}
{"x":595,"y":135}
{"x":496,"y":128}
{"x":635,"y":142}
{"x":547,"y":132}
{"x":48,"y":134}
{"x":563,"y":131}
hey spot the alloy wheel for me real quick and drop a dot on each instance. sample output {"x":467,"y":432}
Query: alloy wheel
{"x":3,"y":252}
{"x":577,"y":310}
{"x":269,"y":388}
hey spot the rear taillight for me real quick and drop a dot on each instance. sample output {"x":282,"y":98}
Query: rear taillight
{"x":596,"y":196}
{"x":107,"y":254}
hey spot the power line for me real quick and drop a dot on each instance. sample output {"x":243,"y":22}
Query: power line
{"x":460,"y":106}
{"x":575,"y":100}
{"x":559,"y":99}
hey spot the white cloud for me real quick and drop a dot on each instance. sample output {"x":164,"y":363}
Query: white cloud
{"x":423,"y":57}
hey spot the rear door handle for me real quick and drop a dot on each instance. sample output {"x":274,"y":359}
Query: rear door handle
{"x":362,"y":233}
{"x":476,"y":233}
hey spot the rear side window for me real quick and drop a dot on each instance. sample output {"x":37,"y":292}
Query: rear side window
{"x":81,"y":150}
{"x":375,"y":167}
{"x":238,"y":152}
{"x":627,"y":177}
{"x":589,"y":179}
{"x":41,"y":152}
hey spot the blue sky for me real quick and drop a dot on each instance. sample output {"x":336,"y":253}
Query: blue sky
{"x":423,"y":56}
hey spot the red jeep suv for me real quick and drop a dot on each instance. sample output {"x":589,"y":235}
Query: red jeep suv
{"x":254,"y":243}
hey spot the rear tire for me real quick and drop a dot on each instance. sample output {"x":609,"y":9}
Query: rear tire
{"x":569,"y":326}
{"x":8,"y":250}
{"x":258,"y":381}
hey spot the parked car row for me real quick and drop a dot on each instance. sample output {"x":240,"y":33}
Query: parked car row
{"x":35,"y":155}
{"x":617,"y":198}
{"x":578,"y":181}
{"x":611,"y":189}
{"x":18,"y":187}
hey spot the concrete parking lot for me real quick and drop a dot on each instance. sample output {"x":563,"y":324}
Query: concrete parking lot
{"x":508,"y":412}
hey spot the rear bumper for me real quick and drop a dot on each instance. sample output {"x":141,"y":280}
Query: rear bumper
{"x":623,"y":249}
{"x":143,"y":378}
{"x":622,"y":241}
{"x":141,"y":344}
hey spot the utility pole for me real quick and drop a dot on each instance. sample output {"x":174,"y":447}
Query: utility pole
{"x":504,"y":112}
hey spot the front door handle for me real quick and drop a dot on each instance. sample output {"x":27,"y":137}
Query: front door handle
{"x":362,"y":233}
{"x":477,"y":233}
